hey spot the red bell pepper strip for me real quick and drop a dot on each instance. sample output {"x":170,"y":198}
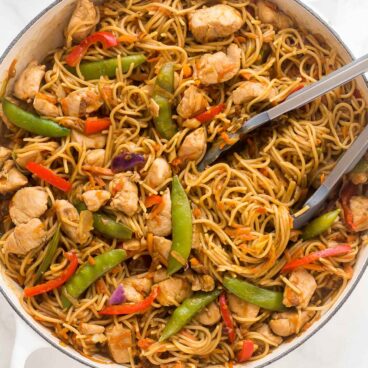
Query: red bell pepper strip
{"x":347,"y":192}
{"x":246,"y":352}
{"x":208,"y":115}
{"x":96,"y":125}
{"x":130,"y":308}
{"x":55,"y":283}
{"x":152,"y":200}
{"x":315,"y":256}
{"x":49,"y":176}
{"x":106,"y":38}
{"x":226,"y":316}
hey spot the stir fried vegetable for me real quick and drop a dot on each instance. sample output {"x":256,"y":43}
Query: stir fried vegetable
{"x":181,"y":227}
{"x":246,"y":352}
{"x":210,"y":114}
{"x":32,"y":123}
{"x":264,"y":298}
{"x":226,"y":316}
{"x":88,"y":273}
{"x":96,"y":125}
{"x":320,"y":224}
{"x":126,"y":161}
{"x":186,"y":311}
{"x":118,"y":296}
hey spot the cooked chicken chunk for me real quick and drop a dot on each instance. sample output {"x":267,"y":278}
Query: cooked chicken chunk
{"x":158,"y":173}
{"x":307,"y":285}
{"x":265,"y":330}
{"x":28,"y":203}
{"x":5,"y":153}
{"x":160,"y":224}
{"x":210,"y":315}
{"x":90,"y":141}
{"x":71,"y":221}
{"x":249,"y":91}
{"x":91,"y":329}
{"x":10,"y":178}
{"x":95,"y":157}
{"x":359,"y":208}
{"x":126,"y":197}
{"x":268,"y":13}
{"x":200,"y":282}
{"x":119,"y":340}
{"x":81,"y":102}
{"x":219,"y":67}
{"x":82,"y":21}
{"x":241,"y":308}
{"x":136,"y":288}
{"x":173,"y":291}
{"x":46,"y":105}
{"x":95,"y":199}
{"x":25,"y":237}
{"x":217,"y":21}
{"x":28,"y":83}
{"x":288,"y":323}
{"x":194,"y":145}
{"x":193,"y":103}
{"x":161,"y":247}
{"x":135,"y":246}
{"x":23,"y":159}
{"x":160,"y":275}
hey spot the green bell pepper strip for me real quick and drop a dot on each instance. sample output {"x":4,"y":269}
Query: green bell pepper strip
{"x":96,"y":69}
{"x":33,"y":123}
{"x":164,"y":85}
{"x":88,"y":273}
{"x":50,"y":253}
{"x":320,"y":224}
{"x":106,"y":225}
{"x":181,"y":217}
{"x":264,"y":298}
{"x":183,"y":314}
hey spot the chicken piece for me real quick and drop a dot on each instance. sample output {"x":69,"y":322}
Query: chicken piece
{"x":82,"y":21}
{"x":248,"y":91}
{"x":194,"y":145}
{"x":288,"y":323}
{"x":81,"y":102}
{"x":91,"y":329}
{"x":95,"y":199}
{"x":268,"y":13}
{"x":72,"y":222}
{"x":97,"y":338}
{"x":29,"y":81}
{"x":200,"y":282}
{"x":359,"y":208}
{"x":158,"y":173}
{"x":28,"y":203}
{"x":193,"y":103}
{"x":173,"y":291}
{"x":161,"y":248}
{"x":307,"y":285}
{"x":23,"y":159}
{"x":126,"y":197}
{"x":219,"y":67}
{"x":136,"y":288}
{"x":10,"y":178}
{"x":26,"y":237}
{"x":160,"y":223}
{"x":95,"y":157}
{"x":5,"y":153}
{"x":218,"y":21}
{"x":160,"y":275}
{"x":119,"y":340}
{"x":91,"y":141}
{"x":135,"y":245}
{"x":242,"y":309}
{"x":266,"y":332}
{"x":46,"y":105}
{"x":210,"y":315}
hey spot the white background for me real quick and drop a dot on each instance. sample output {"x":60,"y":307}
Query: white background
{"x":344,"y":341}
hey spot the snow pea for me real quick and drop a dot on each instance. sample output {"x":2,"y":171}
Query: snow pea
{"x":320,"y":224}
{"x":264,"y":298}
{"x":88,"y":273}
{"x":186,"y":311}
{"x":31,"y":122}
{"x":181,"y":216}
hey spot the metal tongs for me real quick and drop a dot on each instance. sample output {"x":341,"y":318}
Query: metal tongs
{"x":347,"y":161}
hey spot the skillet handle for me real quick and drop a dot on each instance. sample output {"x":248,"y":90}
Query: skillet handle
{"x":25,"y":343}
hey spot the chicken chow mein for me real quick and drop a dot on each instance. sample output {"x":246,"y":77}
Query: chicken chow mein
{"x":124,"y":249}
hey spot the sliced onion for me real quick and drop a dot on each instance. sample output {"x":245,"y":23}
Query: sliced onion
{"x":118,"y":296}
{"x":126,"y":160}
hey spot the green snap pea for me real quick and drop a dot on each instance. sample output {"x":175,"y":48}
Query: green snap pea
{"x":181,"y":216}
{"x":88,"y":273}
{"x":320,"y":224}
{"x":264,"y":298}
{"x":32,"y":123}
{"x":49,"y":255}
{"x":96,"y":69}
{"x":186,"y":311}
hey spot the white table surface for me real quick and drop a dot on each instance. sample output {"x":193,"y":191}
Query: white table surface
{"x":342,"y":342}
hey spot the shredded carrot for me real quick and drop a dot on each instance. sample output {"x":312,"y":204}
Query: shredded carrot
{"x":150,"y":243}
{"x":127,"y":38}
{"x":264,"y":171}
{"x":91,"y":261}
{"x":197,"y":212}
{"x":176,"y":162}
{"x":101,"y":286}
{"x":226,"y":138}
{"x":246,"y":75}
{"x":240,"y":39}
{"x":261,"y":210}
{"x":187,"y":71}
{"x":145,"y":343}
{"x":98,"y":170}
{"x":194,"y":262}
{"x":153,"y":59}
{"x":345,"y":131}
{"x":152,"y":200}
{"x":322,"y":178}
{"x":231,"y":365}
